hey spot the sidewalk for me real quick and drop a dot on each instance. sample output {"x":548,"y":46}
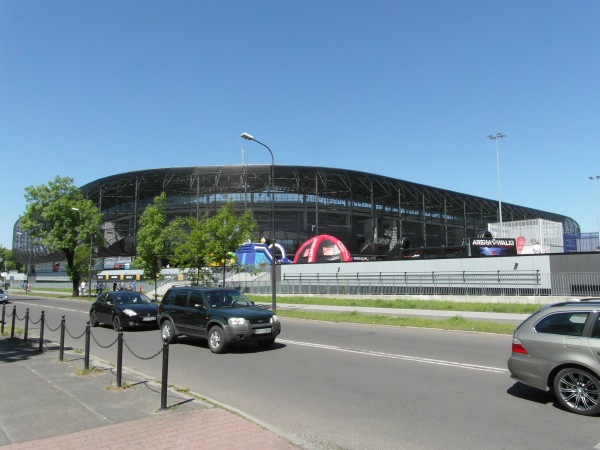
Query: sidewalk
{"x":46,"y":404}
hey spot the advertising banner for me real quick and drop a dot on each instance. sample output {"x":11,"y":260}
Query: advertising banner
{"x":493,"y":247}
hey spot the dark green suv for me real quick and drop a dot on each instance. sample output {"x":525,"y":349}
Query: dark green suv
{"x":222,"y":316}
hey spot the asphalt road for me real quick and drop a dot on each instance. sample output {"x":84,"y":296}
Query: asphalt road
{"x":343,"y":386}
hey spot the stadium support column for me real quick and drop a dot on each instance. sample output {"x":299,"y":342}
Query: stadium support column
{"x":249,"y":137}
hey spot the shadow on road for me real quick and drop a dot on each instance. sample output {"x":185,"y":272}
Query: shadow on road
{"x":525,"y":392}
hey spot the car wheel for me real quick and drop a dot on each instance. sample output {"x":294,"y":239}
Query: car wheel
{"x":93,"y":319}
{"x":266,"y":343}
{"x":117,"y":323}
{"x":167,"y":332}
{"x":578,"y":391}
{"x":216,"y":340}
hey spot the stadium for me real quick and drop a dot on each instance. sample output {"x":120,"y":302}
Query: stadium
{"x":372,"y":215}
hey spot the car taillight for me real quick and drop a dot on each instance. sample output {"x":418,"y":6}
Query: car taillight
{"x":517,"y":347}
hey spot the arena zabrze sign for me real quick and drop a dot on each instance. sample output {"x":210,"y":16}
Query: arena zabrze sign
{"x":493,"y":247}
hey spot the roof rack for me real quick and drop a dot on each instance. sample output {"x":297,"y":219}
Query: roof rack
{"x":586,"y":301}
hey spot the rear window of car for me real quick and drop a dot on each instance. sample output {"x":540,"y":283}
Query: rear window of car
{"x":169,"y":297}
{"x":567,"y":323}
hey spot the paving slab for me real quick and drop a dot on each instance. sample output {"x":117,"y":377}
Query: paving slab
{"x":49,"y":404}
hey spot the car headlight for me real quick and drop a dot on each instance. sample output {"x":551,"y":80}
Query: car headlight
{"x":274,"y":319}
{"x":236,"y":321}
{"x":129,"y":312}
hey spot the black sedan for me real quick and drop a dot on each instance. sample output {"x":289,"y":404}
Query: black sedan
{"x":124,"y":309}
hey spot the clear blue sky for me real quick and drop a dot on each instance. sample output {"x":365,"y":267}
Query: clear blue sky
{"x":406,"y":89}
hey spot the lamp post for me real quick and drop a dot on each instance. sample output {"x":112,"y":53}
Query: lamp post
{"x":249,"y":137}
{"x":91,"y":262}
{"x":28,"y":260}
{"x":595,"y":179}
{"x":495,"y":137}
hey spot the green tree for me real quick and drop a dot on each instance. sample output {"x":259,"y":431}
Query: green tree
{"x":8,"y":261}
{"x":190,"y":237}
{"x":81,"y":261}
{"x":58,"y":217}
{"x":226,"y":231}
{"x":209,"y":241}
{"x":153,"y":239}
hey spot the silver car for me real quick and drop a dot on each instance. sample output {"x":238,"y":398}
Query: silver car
{"x":3,"y":296}
{"x":558,"y":348}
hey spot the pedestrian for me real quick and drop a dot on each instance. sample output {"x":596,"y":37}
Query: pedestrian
{"x":114,"y":286}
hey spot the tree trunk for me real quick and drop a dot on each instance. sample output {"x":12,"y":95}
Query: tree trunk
{"x":75,"y":278}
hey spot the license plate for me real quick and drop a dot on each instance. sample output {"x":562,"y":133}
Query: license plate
{"x":149,"y":319}
{"x":262,"y":331}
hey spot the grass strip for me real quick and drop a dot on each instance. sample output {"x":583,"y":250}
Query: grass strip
{"x":436,"y":305}
{"x":452,"y":323}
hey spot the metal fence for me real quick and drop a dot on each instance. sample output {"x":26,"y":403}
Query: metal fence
{"x":497,"y":283}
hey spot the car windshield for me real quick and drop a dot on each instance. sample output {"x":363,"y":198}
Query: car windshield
{"x":227,"y":299}
{"x":131,"y":299}
{"x":1,"y":291}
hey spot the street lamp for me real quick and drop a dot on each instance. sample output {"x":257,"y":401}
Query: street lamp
{"x":495,"y":139}
{"x":91,"y":262}
{"x":249,"y":137}
{"x":28,"y":259}
{"x":595,"y":179}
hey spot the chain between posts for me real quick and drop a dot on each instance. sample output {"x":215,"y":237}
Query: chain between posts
{"x":17,"y":316}
{"x":4,"y":313}
{"x":142,"y":357}
{"x":53,"y":329}
{"x":73,"y":337}
{"x":38,"y":321}
{"x":103,"y":346}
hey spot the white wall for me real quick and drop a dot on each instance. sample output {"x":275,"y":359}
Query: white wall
{"x":483,"y":264}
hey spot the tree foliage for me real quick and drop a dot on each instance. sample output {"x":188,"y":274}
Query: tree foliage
{"x":210,"y":241}
{"x":8,"y":262}
{"x":153,"y":239}
{"x":58,"y":217}
{"x":189,"y":238}
{"x":226,"y":231}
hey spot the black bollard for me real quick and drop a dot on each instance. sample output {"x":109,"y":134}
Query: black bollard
{"x":42,"y":325}
{"x":3,"y":319}
{"x":26,"y":325}
{"x":14,"y":317}
{"x":86,"y":358}
{"x":165,"y":375}
{"x":62,"y":340}
{"x":119,"y":357}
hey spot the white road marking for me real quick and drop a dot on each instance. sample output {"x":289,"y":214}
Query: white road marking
{"x":52,"y":307}
{"x":403,"y":357}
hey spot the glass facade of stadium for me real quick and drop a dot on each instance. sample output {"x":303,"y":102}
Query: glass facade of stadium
{"x":371,"y":214}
